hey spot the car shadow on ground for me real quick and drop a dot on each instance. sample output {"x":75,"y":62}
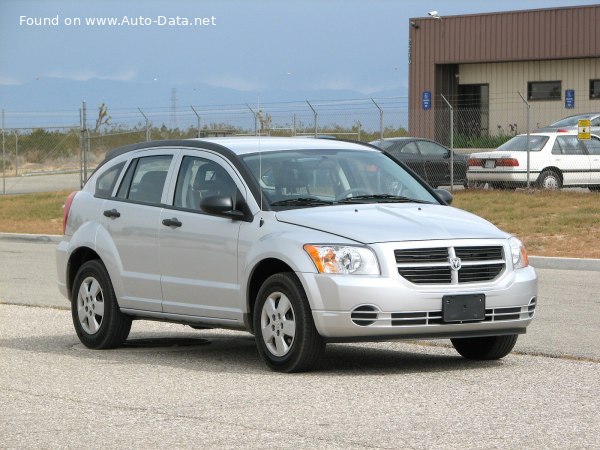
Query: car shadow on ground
{"x":233,"y":352}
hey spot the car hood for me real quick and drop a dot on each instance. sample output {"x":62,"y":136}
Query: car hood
{"x":381,"y":222}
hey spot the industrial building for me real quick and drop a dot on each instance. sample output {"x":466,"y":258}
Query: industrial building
{"x":492,"y":67}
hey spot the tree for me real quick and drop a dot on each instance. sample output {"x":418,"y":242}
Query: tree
{"x":103,"y":117}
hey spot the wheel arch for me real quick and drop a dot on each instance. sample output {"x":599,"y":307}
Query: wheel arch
{"x":76,"y":260}
{"x":263,"y":270}
{"x":554,"y":169}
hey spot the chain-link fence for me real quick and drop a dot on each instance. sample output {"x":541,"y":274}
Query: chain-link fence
{"x":463,"y":124}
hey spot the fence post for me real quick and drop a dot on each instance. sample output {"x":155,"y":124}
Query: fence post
{"x":380,"y":120}
{"x":147,"y":122}
{"x":86,"y":143}
{"x":198,"y":120}
{"x":315,"y":115}
{"x":255,"y":115}
{"x":16,"y":153}
{"x":451,"y":143}
{"x":528,"y":140}
{"x":3,"y":157}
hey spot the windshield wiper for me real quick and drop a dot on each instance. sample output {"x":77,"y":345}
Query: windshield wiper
{"x":381,"y":198}
{"x":302,"y":201}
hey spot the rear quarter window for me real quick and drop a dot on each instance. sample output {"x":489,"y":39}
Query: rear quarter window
{"x":106,"y":181}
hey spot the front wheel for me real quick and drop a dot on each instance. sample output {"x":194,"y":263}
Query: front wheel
{"x":98,"y":321}
{"x":284,"y":330}
{"x":485,"y":348}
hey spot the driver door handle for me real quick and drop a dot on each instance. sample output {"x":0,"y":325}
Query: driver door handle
{"x":112,"y":213}
{"x":174,"y":222}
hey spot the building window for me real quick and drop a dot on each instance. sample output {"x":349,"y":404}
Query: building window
{"x":594,"y":89}
{"x":544,"y":90}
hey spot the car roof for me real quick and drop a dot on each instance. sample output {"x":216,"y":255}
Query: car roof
{"x":400,"y":138}
{"x":241,"y":145}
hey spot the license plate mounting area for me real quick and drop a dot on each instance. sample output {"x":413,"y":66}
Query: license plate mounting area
{"x":463,"y":308}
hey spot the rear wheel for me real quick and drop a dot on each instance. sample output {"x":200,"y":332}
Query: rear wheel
{"x":549,"y":180}
{"x":98,"y":321}
{"x":284,"y":330}
{"x":485,"y":348}
{"x":594,"y":188}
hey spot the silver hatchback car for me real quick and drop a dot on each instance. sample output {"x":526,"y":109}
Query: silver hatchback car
{"x":298,"y":241}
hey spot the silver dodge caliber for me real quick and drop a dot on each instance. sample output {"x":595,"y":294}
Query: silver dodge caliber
{"x":298,"y":241}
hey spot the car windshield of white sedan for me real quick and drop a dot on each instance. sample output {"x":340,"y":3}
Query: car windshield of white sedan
{"x":306,"y":178}
{"x":519,"y":143}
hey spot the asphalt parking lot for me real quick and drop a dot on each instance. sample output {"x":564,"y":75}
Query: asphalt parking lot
{"x":174,"y":386}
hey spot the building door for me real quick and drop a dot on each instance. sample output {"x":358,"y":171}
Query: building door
{"x":472,"y":111}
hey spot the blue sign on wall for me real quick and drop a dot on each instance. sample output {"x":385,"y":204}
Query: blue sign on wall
{"x":426,"y":100}
{"x":570,"y":98}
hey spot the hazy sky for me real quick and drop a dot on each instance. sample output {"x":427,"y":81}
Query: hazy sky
{"x":247,"y":45}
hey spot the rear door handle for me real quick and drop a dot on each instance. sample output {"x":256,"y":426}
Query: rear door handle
{"x":172,"y":222}
{"x":112,"y":213}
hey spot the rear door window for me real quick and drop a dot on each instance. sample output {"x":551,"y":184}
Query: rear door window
{"x":593,"y":146}
{"x":145,"y":179}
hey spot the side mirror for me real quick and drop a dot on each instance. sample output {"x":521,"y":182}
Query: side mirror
{"x":444,"y":195}
{"x":220,"y":205}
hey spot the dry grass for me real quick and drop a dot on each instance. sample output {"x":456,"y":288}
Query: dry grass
{"x":32,"y":213}
{"x":550,"y":223}
{"x":563,"y":223}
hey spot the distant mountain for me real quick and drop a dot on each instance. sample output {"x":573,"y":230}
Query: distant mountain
{"x":50,"y":101}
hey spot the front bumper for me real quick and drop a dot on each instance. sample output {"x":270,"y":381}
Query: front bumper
{"x":401,"y":312}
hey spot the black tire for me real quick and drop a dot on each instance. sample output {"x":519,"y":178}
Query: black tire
{"x":282,"y":307}
{"x":98,"y":321}
{"x":485,"y":348}
{"x":594,"y":188}
{"x":549,"y":180}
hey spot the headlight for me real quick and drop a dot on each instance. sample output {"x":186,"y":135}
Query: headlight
{"x":518,"y":252}
{"x":343,"y":259}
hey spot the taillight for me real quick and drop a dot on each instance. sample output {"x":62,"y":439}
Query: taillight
{"x":67,"y":209}
{"x":561,"y":130}
{"x":475,"y":162}
{"x":507,"y":162}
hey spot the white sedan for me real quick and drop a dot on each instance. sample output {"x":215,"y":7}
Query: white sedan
{"x":556,"y":160}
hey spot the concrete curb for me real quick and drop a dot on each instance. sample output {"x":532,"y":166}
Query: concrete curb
{"x":547,"y":262}
{"x":31,"y":237}
{"x":540,"y":262}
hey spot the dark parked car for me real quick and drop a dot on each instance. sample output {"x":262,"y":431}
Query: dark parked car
{"x":570,"y":123}
{"x":430,"y":160}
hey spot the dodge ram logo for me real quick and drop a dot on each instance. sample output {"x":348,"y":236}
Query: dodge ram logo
{"x":455,"y":263}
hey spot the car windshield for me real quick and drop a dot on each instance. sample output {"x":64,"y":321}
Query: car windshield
{"x":309,"y":178}
{"x":519,"y":143}
{"x":570,"y":121}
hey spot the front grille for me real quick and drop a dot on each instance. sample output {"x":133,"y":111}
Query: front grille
{"x":473,"y":274}
{"x":433,"y":265}
{"x":421,"y":255}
